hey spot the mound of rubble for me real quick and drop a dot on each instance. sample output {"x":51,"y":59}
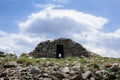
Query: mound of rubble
{"x":51,"y":71}
{"x":48,"y":49}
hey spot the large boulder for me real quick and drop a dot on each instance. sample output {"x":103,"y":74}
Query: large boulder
{"x":48,"y":49}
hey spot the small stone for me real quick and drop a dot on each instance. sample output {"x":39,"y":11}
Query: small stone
{"x":78,"y":77}
{"x":4,"y":74}
{"x":1,"y":78}
{"x":47,"y":79}
{"x":35,"y":70}
{"x":72,"y":72}
{"x":76,"y":66}
{"x":87,"y":75}
{"x":115,"y":64}
{"x":104,"y":72}
{"x":98,"y":73}
{"x":92,"y":78}
{"x":58,"y":74}
{"x":65,"y":70}
{"x":19,"y":68}
{"x":49,"y":63}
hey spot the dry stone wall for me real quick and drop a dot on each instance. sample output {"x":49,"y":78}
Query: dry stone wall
{"x":48,"y":49}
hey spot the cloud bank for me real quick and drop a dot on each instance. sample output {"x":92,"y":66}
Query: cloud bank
{"x":51,"y":23}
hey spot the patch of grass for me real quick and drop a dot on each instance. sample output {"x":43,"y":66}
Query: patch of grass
{"x":83,"y":60}
{"x":26,"y":61}
{"x":96,"y":66}
{"x":70,"y":59}
{"x":21,"y":60}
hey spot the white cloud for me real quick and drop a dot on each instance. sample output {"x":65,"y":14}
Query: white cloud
{"x":17,"y":43}
{"x":65,"y":21}
{"x":48,"y":6}
{"x":52,"y":23}
{"x":117,"y":33}
{"x":61,"y":1}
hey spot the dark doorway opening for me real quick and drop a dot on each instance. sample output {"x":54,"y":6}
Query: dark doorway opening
{"x":59,"y":51}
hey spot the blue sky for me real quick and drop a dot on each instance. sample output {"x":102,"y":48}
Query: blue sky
{"x":12,"y":11}
{"x":93,"y":23}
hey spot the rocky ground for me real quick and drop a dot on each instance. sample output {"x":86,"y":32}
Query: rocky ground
{"x":92,"y":68}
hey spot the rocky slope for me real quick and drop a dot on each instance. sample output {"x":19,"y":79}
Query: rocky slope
{"x":94,"y":68}
{"x":71,"y":49}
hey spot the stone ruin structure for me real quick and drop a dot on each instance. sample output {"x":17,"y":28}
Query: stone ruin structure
{"x":48,"y":49}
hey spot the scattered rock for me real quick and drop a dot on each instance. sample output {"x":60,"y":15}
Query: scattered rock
{"x":51,"y":71}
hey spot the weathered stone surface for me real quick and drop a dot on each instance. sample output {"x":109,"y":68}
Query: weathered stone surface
{"x":87,"y":75}
{"x":48,"y":49}
{"x":76,"y":66}
{"x":47,"y":79}
{"x":35,"y":70}
{"x":65,"y":70}
{"x":10,"y":64}
{"x":4,"y":74}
